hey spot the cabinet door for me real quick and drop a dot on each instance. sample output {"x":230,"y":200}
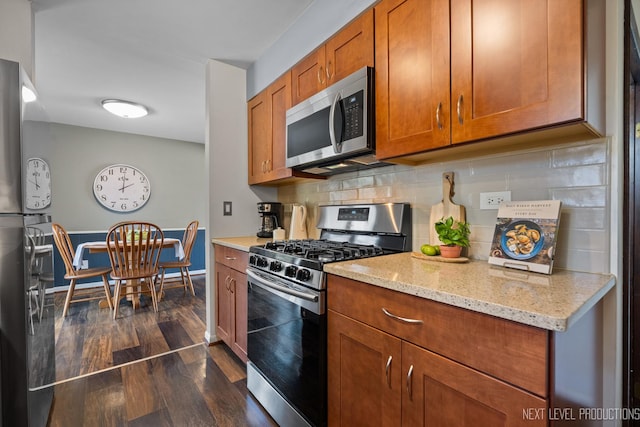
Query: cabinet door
{"x":259,"y":115}
{"x":238,"y":290}
{"x":223,"y":303}
{"x":280,"y":99}
{"x":515,"y":65}
{"x":412,"y":76}
{"x":363,"y":374}
{"x":439,"y":392}
{"x":350,"y":49}
{"x":309,"y":76}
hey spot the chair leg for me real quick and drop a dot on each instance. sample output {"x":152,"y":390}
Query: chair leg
{"x":107,"y":291}
{"x":183,"y":280}
{"x":67,"y":300}
{"x":162,"y":283}
{"x":152,"y":290}
{"x":193,"y":292}
{"x":116,"y":298}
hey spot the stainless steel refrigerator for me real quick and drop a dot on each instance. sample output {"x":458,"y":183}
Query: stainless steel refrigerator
{"x":27,"y":340}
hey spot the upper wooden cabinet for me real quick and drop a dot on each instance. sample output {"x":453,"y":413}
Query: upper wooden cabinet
{"x":346,"y":52}
{"x":500,"y":67}
{"x":267,"y":132}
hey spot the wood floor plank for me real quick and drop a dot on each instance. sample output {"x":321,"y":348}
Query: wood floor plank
{"x":160,"y":418}
{"x":96,"y":352}
{"x":104,"y":401}
{"x":68,"y":404}
{"x":185,"y":404}
{"x":140,"y":395}
{"x":230,"y":365}
{"x":174,"y":334}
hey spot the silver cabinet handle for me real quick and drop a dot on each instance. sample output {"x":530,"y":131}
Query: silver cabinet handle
{"x":402,"y":319}
{"x":387,"y":369}
{"x":439,"y":123}
{"x":230,"y":258}
{"x":329,"y":73}
{"x":226,"y":282}
{"x":459,"y":108}
{"x":234,"y":285}
{"x":409,"y":382}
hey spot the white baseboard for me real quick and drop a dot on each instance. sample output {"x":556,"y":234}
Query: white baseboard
{"x":65,"y":288}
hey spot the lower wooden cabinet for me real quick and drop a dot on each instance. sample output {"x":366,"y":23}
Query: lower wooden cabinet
{"x":376,"y":379}
{"x":231,"y":298}
{"x":415,"y":369}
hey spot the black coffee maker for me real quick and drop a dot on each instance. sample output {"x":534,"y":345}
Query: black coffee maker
{"x":271,"y":218}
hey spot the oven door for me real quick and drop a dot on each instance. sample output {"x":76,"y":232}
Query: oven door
{"x":286,"y":344}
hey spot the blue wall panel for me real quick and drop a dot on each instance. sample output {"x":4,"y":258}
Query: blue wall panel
{"x":102,"y":259}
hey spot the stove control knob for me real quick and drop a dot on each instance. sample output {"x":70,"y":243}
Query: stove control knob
{"x":252,"y":260}
{"x":262,"y":262}
{"x":303,"y":275}
{"x":275,"y":266}
{"x":290,"y":271}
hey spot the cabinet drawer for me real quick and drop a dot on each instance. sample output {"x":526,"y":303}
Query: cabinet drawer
{"x":234,"y":258}
{"x":507,"y":350}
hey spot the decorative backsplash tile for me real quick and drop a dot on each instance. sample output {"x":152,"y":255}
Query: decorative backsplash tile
{"x":577,"y":174}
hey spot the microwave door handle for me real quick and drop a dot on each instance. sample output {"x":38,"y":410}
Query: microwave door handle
{"x":337,"y":146}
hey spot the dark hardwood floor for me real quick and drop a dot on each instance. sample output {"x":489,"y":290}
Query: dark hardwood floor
{"x":147,"y":369}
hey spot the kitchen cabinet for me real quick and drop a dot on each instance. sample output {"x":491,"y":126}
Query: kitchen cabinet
{"x":452,"y":72}
{"x":346,"y":52}
{"x":231,"y":298}
{"x":429,"y":363}
{"x":267,"y":132}
{"x":267,"y":113}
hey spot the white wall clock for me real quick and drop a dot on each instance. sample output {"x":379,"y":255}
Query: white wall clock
{"x":121,"y":188}
{"x":38,"y":185}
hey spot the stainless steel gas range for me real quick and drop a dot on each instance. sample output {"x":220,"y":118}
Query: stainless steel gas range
{"x":287,"y":322}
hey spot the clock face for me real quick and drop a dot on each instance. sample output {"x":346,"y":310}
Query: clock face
{"x":121,"y":188}
{"x":38,"y":185}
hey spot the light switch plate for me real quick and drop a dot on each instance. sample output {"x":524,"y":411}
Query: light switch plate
{"x":226,"y":208}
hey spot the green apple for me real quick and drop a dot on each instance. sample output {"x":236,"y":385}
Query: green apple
{"x":429,"y":250}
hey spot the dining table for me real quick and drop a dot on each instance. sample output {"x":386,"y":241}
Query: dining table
{"x":100,"y":246}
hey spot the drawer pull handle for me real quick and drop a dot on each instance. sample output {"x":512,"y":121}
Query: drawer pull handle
{"x":459,"y":109}
{"x":409,"y":382}
{"x":439,"y":123}
{"x":230,"y":258}
{"x":402,"y":319}
{"x":387,"y":369}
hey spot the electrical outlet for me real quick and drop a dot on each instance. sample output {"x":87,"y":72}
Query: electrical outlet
{"x":493,"y":200}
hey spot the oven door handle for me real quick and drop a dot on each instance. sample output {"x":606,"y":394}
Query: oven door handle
{"x":261,"y":281}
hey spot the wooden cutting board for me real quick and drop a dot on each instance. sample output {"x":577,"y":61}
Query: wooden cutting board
{"x":445,"y":208}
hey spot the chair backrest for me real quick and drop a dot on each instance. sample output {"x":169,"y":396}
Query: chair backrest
{"x":189,"y":238}
{"x":65,"y":247}
{"x":38,"y":237}
{"x":134,"y":249}
{"x":31,"y":253}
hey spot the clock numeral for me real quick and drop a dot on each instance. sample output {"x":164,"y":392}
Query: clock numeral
{"x":103,"y":198}
{"x":104,"y":178}
{"x":123,"y":169}
{"x":123,"y":206}
{"x":110,"y":172}
{"x":98,"y":187}
{"x":135,"y":204}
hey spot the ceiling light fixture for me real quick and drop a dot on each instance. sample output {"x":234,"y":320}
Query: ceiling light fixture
{"x":126,"y":109}
{"x":28,"y":95}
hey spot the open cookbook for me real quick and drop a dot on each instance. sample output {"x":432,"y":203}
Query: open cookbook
{"x":525,"y":235}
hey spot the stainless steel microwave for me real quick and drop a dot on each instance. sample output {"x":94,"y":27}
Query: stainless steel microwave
{"x":332,"y":131}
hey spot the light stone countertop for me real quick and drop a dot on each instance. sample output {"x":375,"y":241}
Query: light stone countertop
{"x":552,"y":302}
{"x":241,"y":243}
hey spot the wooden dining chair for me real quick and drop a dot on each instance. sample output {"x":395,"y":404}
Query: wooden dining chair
{"x":134,"y":251}
{"x":39,"y":276}
{"x":188,"y":240}
{"x":67,"y":252}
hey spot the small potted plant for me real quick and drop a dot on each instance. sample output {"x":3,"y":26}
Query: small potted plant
{"x":454,"y":236}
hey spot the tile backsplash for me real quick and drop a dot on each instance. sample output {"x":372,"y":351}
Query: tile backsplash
{"x":577,"y":174}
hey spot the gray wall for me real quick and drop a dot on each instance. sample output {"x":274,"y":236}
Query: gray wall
{"x":176,"y":170}
{"x":16,"y":33}
{"x":226,"y":149}
{"x":320,"y":21}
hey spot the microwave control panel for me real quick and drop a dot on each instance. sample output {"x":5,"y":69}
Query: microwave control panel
{"x":353,"y":107}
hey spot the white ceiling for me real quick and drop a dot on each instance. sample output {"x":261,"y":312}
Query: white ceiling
{"x":152,"y":52}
